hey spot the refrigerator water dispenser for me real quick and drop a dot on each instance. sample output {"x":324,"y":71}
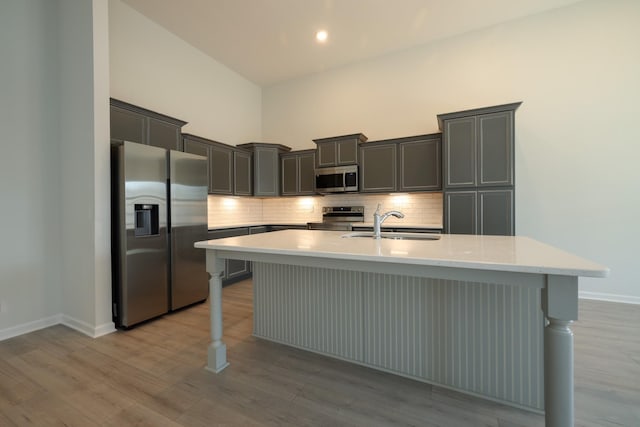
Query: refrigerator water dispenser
{"x":146,"y":220}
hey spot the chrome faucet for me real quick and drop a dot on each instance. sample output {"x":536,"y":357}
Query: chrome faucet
{"x":378,"y":219}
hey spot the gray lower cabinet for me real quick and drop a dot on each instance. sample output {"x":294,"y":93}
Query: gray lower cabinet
{"x":236,"y":269}
{"x":298,"y":173}
{"x":397,"y":229}
{"x":486,"y":212}
{"x":129,"y":122}
{"x":266,"y":167}
{"x":401,"y":164}
{"x":338,"y":150}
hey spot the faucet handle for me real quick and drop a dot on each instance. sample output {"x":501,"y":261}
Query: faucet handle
{"x":377,"y":212}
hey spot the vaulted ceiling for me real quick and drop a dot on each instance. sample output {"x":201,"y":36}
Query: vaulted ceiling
{"x":270,"y":41}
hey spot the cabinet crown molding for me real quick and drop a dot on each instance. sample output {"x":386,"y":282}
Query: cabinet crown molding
{"x":476,"y":111}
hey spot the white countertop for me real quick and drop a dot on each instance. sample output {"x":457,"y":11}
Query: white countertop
{"x":498,"y":253}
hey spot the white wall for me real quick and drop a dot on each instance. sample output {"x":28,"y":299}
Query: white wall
{"x":53,"y":181}
{"x":154,"y":69}
{"x":29,"y":179}
{"x":577,"y":142}
{"x":84,"y":165}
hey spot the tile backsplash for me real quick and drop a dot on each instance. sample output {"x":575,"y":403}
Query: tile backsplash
{"x":418,"y":208}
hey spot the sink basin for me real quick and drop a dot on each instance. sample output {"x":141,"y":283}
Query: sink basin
{"x":396,"y":236}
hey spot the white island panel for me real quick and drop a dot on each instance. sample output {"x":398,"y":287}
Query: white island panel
{"x":478,"y":338}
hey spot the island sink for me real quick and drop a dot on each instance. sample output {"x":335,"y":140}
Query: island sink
{"x":395,"y":236}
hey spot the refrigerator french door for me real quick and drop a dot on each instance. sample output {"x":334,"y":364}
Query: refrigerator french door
{"x":159,"y":209}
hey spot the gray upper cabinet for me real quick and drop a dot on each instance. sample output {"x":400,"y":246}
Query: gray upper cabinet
{"x":298,"y":173}
{"x":495,"y":149}
{"x":420,"y":159}
{"x":243,"y":176}
{"x":221,"y":171}
{"x":402,"y":164}
{"x":478,"y":147}
{"x":460,"y":152}
{"x":378,"y":163}
{"x":127,"y":125}
{"x":289,"y":169}
{"x":338,"y":150}
{"x":220,"y":165}
{"x":306,"y":172}
{"x":266,"y":167}
{"x":132,"y":123}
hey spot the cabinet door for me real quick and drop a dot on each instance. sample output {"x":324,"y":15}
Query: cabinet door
{"x":128,"y":126}
{"x":236,"y":268}
{"x":243,"y":181}
{"x":306,"y":174}
{"x":289,"y":165}
{"x":266,"y":163}
{"x":460,"y":152}
{"x":496,"y":212}
{"x":164,"y":135}
{"x":327,"y":154}
{"x":495,"y":149}
{"x":347,"y":152}
{"x":420,"y":166}
{"x":378,"y":168}
{"x":195,"y":147}
{"x":460,"y":212}
{"x":221,"y":170}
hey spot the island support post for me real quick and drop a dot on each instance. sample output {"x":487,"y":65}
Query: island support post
{"x":217,"y":351}
{"x":560,"y":307}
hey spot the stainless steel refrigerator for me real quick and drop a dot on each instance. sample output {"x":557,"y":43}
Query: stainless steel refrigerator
{"x":158,"y":210}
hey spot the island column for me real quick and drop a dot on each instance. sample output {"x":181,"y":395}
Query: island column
{"x":217,"y":351}
{"x":560,"y":307}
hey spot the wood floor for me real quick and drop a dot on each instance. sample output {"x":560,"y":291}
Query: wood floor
{"x":153,"y":376}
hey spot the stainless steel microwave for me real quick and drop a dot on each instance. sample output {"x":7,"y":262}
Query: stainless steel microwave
{"x":341,"y":179}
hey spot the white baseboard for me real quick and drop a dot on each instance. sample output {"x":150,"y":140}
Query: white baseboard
{"x":57,"y":319}
{"x":609,"y":297}
{"x":33,"y":326}
{"x":87,"y":329}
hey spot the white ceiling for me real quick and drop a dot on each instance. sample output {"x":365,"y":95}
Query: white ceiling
{"x":269,"y":41}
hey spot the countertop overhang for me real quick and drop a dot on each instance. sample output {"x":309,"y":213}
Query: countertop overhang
{"x":516,"y":254}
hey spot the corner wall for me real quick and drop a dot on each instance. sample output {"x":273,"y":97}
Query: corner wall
{"x":84,"y":166}
{"x":575,"y":69}
{"x":54,"y":174}
{"x":29,"y":167}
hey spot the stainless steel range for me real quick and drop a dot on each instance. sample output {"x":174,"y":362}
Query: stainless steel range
{"x":338,"y":218}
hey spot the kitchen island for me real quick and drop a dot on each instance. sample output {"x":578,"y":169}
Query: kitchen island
{"x":485,"y":315}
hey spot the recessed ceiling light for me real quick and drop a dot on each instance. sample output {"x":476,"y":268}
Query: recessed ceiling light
{"x":321,"y":36}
